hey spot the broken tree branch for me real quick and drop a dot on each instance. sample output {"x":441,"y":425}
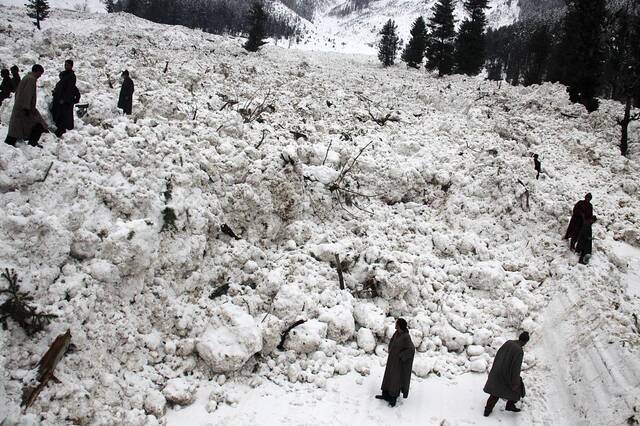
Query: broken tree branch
{"x":339,"y":268}
{"x":285,"y":334}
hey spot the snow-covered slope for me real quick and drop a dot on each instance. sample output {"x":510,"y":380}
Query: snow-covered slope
{"x":124,"y":239}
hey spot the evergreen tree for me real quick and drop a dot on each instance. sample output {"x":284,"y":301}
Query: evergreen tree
{"x":110,"y":6}
{"x":584,"y":25}
{"x":470,"y":45}
{"x":414,"y":52}
{"x":257,"y":19}
{"x":440,"y":47}
{"x":538,"y":48}
{"x":38,"y":10}
{"x":389,"y":44}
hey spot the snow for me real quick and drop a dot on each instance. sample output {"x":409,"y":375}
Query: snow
{"x":431,"y":224}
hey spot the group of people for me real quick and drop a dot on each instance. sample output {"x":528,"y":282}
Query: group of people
{"x":504,"y":377}
{"x":26,"y":121}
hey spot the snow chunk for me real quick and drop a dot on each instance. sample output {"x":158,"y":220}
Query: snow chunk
{"x":230,"y":340}
{"x":155,"y":403}
{"x":179,"y":391}
{"x":366,"y":340}
{"x":341,"y":326}
{"x":370,"y":316}
{"x":307,"y":337}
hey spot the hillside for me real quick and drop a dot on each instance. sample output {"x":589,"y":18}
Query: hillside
{"x":124,"y":239}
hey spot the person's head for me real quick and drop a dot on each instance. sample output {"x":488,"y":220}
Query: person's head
{"x":15,"y":70}
{"x":125,"y":73}
{"x":5,"y":73}
{"x":68,"y":65}
{"x":524,"y":337}
{"x":401,"y":324}
{"x":588,"y":197}
{"x":535,"y":156}
{"x":37,"y":70}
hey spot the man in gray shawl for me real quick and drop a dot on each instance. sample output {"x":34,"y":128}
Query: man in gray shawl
{"x":397,"y":374}
{"x":26,"y":121}
{"x":504,"y":378}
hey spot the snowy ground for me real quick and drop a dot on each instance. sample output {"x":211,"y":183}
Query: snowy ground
{"x":444,"y":237}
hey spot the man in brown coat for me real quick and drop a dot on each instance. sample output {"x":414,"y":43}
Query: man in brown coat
{"x":397,"y":374}
{"x":582,"y":211}
{"x":26,"y":121}
{"x":504,"y":378}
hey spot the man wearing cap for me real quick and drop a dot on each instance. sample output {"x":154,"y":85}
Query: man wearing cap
{"x":504,"y":378}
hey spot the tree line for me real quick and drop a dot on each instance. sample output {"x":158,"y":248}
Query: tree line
{"x":593,"y":48}
{"x":213,"y":16}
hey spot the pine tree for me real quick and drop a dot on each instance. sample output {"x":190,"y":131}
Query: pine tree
{"x":584,"y":24}
{"x":38,"y":10}
{"x":538,"y":48}
{"x":440,"y":47}
{"x":414,"y":52}
{"x":389,"y":44}
{"x":110,"y":6}
{"x":257,"y":19}
{"x":470,"y":44}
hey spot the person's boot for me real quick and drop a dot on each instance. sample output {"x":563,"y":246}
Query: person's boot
{"x":487,"y":411}
{"x":392,"y":402}
{"x":511,"y":406}
{"x":10,"y":141}
{"x":380,"y":397}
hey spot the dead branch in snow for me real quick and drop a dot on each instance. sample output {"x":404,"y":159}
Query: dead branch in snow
{"x":524,"y":198}
{"x":285,"y":334}
{"x":253,"y":114}
{"x":264,"y":134}
{"x":339,"y":268}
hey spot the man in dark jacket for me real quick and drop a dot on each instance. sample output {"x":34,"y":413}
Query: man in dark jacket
{"x":26,"y":121}
{"x":125,"y":100}
{"x":6,"y":87}
{"x":65,"y":96}
{"x":15,"y":77}
{"x":581,"y":211}
{"x":537,"y":166}
{"x":504,"y":378}
{"x":397,"y":374}
{"x":585,"y":238}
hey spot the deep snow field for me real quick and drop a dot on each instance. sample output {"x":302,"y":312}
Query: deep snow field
{"x":431,"y":224}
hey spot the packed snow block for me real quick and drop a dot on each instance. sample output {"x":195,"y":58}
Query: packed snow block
{"x":452,"y":339}
{"x":231,"y":338}
{"x":370,"y":316}
{"x":443,"y":244}
{"x":155,"y":402}
{"x":307,"y":337}
{"x":488,"y":275}
{"x":366,"y":340}
{"x":340,"y":324}
{"x":423,"y":365}
{"x":632,"y":236}
{"x":516,"y":310}
{"x":289,"y":302}
{"x":104,"y":271}
{"x":179,"y":391}
{"x":478,"y":365}
{"x":84,"y":244}
{"x":132,"y":247}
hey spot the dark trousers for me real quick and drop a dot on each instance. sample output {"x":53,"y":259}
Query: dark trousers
{"x":36,"y":132}
{"x":389,"y":398}
{"x":493,"y":400}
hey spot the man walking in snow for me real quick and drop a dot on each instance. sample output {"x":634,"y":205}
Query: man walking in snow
{"x":582,"y":211}
{"x":65,"y":96}
{"x":537,"y":165}
{"x":585,"y":238}
{"x":397,"y":374}
{"x":6,"y":87}
{"x":504,"y":378}
{"x":125,"y":100}
{"x":26,"y":121}
{"x":15,"y":77}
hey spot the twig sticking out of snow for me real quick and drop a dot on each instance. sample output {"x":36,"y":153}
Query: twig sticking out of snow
{"x":285,"y":334}
{"x":339,"y":268}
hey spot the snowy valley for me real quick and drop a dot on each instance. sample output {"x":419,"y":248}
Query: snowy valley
{"x":178,"y":244}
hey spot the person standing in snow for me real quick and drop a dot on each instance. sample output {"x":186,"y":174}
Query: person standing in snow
{"x":125,"y":100}
{"x":15,"y":77}
{"x":6,"y":87}
{"x":582,"y":211}
{"x":537,"y":165}
{"x":397,"y":374}
{"x":26,"y":121}
{"x":65,"y":96}
{"x":585,"y":238}
{"x":504,"y":378}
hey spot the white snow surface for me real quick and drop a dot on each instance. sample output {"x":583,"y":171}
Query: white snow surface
{"x":443,"y":237}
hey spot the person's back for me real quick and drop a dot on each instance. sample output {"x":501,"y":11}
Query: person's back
{"x":125,"y":100}
{"x":6,"y":86}
{"x":65,"y":95}
{"x":15,"y":77}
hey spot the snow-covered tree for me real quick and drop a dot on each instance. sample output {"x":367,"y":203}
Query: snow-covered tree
{"x":38,"y":10}
{"x":110,"y":6}
{"x":441,"y":41}
{"x":389,"y":43}
{"x":257,"y":19}
{"x":470,"y":45}
{"x":414,"y":52}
